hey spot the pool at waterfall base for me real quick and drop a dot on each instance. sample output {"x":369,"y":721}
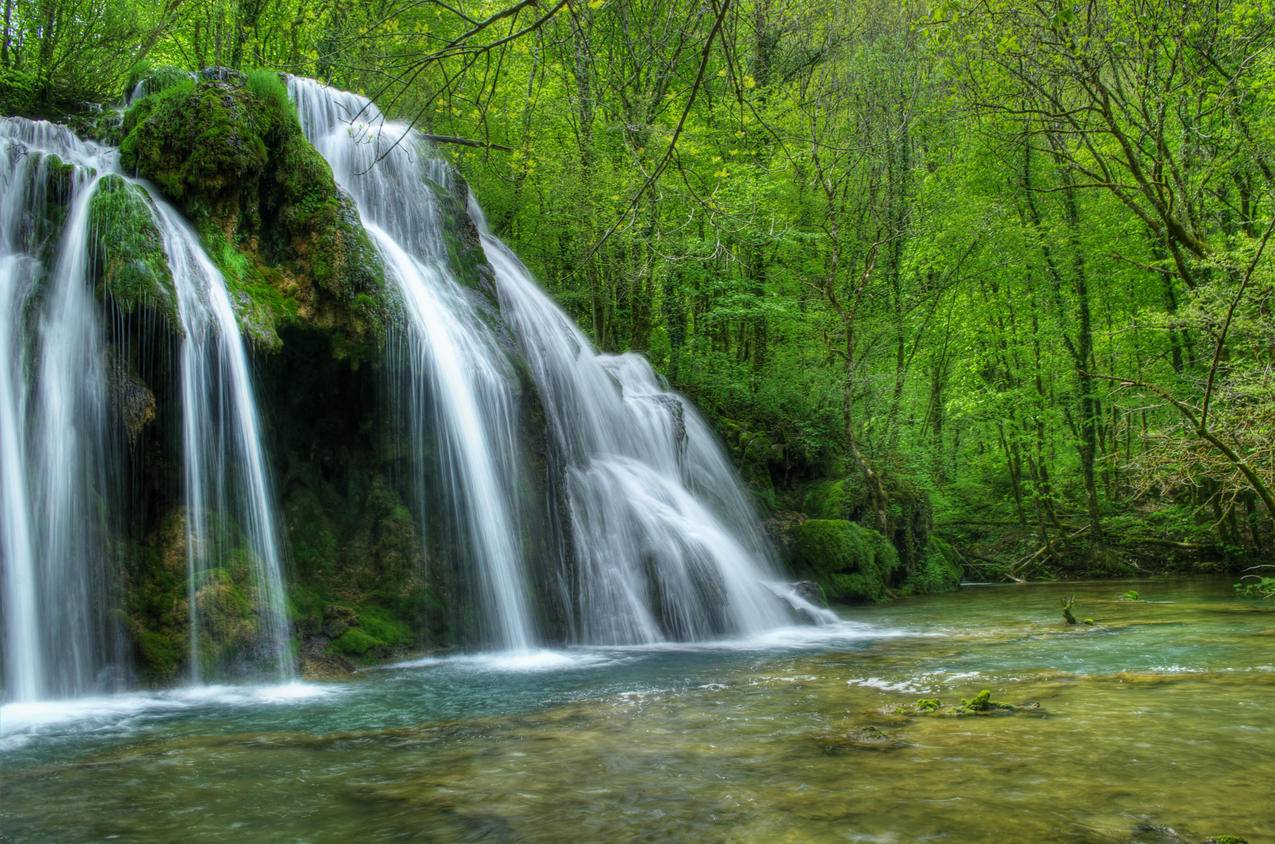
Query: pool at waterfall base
{"x":1153,"y":723}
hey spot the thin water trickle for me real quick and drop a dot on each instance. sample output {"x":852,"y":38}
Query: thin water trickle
{"x":227,"y":480}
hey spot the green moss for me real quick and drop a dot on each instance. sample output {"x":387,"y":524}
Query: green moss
{"x":849,"y":561}
{"x":233,"y":156}
{"x":268,"y":87}
{"x":382,"y":626}
{"x":834,"y":499}
{"x":355,"y":643}
{"x":310,"y":536}
{"x":128,"y":252}
{"x":156,"y":77}
{"x":159,"y":655}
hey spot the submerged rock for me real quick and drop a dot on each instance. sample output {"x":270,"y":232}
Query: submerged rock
{"x":863,"y":738}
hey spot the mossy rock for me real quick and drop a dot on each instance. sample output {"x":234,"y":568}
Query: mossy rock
{"x":373,"y":634}
{"x":228,"y":150}
{"x":129,"y":258}
{"x":850,"y":562}
{"x":460,"y":235}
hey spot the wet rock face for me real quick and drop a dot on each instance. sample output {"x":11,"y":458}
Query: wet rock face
{"x":132,"y":399}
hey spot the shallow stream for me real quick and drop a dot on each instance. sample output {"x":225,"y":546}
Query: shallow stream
{"x":1159,"y":716}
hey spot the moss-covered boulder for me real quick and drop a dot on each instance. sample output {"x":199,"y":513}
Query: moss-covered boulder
{"x":899,"y":509}
{"x":228,"y":624}
{"x":850,"y":562}
{"x":459,"y":233}
{"x":228,"y":150}
{"x":158,"y":616}
{"x":131,"y":266}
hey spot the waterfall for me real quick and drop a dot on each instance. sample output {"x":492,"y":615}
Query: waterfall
{"x":226,"y":477}
{"x":665,"y":541}
{"x":662,"y":540}
{"x":60,"y":452}
{"x":55,"y":448}
{"x":458,"y":394}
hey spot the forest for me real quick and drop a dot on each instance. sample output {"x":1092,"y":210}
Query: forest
{"x":1007,"y":258}
{"x":544,"y":420}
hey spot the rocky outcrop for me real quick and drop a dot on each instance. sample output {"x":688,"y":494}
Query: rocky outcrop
{"x":227,"y":149}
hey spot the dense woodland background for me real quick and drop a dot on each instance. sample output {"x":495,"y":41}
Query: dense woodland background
{"x":1006,"y":263}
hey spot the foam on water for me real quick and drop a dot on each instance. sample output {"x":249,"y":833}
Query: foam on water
{"x":20,"y":723}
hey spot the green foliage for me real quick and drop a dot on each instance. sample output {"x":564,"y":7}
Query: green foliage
{"x":940,"y":570}
{"x":1067,"y":606}
{"x":270,"y":90}
{"x":19,"y":91}
{"x":1131,"y":595}
{"x":1256,"y":587}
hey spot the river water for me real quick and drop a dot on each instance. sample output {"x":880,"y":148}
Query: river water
{"x":1156,"y":717}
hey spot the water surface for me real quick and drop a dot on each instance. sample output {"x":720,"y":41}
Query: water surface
{"x":1158,"y":716}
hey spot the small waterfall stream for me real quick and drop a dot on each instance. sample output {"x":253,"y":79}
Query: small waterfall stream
{"x":459,"y":382}
{"x":59,"y":447}
{"x":226,"y":478}
{"x":55,"y":450}
{"x":666,"y":543}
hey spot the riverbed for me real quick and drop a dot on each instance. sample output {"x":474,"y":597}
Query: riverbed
{"x":1156,"y":722}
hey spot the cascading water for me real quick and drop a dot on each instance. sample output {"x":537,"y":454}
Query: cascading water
{"x":459,"y":383}
{"x":226,"y":480}
{"x":60,"y":451}
{"x":663,"y":543}
{"x":55,"y":449}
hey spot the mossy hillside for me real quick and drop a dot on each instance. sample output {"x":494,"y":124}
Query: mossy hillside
{"x":939,"y":571}
{"x":130,"y":265}
{"x":228,"y":150}
{"x":848,"y":561}
{"x":157,"y":608}
{"x":353,"y":542}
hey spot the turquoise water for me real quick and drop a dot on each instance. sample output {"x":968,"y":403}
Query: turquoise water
{"x":1156,"y":717}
